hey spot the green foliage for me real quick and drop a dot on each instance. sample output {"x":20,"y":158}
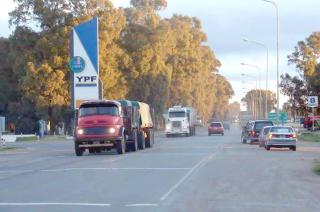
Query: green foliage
{"x":255,"y":98}
{"x":142,"y":57}
{"x":296,"y":89}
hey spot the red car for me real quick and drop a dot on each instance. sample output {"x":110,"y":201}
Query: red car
{"x":215,"y":128}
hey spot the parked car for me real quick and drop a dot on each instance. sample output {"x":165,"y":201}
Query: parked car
{"x":281,"y":137}
{"x":215,"y":128}
{"x":263,"y":136}
{"x":250,"y":132}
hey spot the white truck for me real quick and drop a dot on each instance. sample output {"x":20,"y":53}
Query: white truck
{"x":181,"y":121}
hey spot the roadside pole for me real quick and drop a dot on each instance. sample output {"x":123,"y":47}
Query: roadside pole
{"x":313,"y":119}
{"x":313,"y":103}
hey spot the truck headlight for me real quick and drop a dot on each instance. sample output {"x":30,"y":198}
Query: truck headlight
{"x":80,"y":131}
{"x":112,"y":130}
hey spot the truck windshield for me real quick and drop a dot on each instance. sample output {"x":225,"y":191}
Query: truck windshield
{"x":99,"y":109}
{"x":177,"y":114}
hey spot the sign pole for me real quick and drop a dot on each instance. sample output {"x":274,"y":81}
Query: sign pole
{"x":313,"y":119}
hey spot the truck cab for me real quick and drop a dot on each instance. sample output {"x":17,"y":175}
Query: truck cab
{"x":178,"y":122}
{"x":99,"y":126}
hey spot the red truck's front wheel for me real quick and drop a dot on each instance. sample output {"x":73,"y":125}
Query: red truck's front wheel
{"x":78,"y":150}
{"x":121,"y":146}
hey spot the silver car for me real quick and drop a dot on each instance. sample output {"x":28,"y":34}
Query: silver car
{"x":263,"y":135}
{"x":281,"y":137}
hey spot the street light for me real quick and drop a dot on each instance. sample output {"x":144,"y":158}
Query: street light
{"x":257,"y":67}
{"x":277,"y":31}
{"x":267,"y":69}
{"x":253,"y":95}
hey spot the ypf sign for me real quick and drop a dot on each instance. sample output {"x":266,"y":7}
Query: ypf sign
{"x":312,"y":101}
{"x":84,"y":62}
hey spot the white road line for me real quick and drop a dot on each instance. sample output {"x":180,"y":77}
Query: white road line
{"x":174,"y":187}
{"x":142,"y":205}
{"x":53,"y":203}
{"x":109,"y":169}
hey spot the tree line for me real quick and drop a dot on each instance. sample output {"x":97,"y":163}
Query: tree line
{"x":305,"y":58}
{"x":142,"y":56}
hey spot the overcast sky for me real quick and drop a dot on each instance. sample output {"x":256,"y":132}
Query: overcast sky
{"x":227,"y":22}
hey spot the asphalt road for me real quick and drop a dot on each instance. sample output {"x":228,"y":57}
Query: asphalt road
{"x":200,"y":173}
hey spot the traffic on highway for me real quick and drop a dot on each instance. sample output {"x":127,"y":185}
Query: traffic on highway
{"x":159,"y":105}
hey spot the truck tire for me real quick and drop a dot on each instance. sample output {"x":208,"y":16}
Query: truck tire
{"x":78,"y":150}
{"x":268,"y":148}
{"x":141,"y":141}
{"x":121,"y":146}
{"x":134,"y":145}
{"x":92,"y":150}
{"x":150,"y":138}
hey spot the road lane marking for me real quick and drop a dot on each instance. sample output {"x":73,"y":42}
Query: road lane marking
{"x":107,"y":169}
{"x":142,"y":205}
{"x":174,"y":187}
{"x":53,"y":203}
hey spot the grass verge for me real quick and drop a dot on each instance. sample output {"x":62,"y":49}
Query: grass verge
{"x":7,"y":148}
{"x":316,"y":167}
{"x":30,"y":138}
{"x":309,"y":136}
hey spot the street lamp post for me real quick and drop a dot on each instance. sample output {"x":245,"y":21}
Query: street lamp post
{"x":277,"y":31}
{"x":260,"y":101}
{"x":253,"y":96}
{"x":267,"y":70}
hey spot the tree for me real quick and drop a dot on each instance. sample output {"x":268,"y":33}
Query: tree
{"x":305,"y":57}
{"x":253,"y":102}
{"x":296,"y":89}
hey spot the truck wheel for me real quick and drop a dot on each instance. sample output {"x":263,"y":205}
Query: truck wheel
{"x":97,"y":150}
{"x":244,"y":141}
{"x":78,"y":150}
{"x":91,"y":150}
{"x":134,"y":145}
{"x":293,"y":148}
{"x":149,"y":140}
{"x":121,"y":146}
{"x":141,"y":141}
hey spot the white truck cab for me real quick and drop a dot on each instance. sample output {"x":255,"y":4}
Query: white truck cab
{"x":178,"y":121}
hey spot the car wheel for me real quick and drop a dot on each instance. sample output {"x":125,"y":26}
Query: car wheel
{"x":78,"y":150}
{"x":244,"y":141}
{"x":294,"y":148}
{"x":141,"y":141}
{"x":268,"y":148}
{"x":121,"y":146}
{"x":91,"y":150}
{"x":134,"y":145}
{"x":222,"y":134}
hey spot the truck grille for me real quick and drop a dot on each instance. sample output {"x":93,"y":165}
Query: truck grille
{"x":176,"y":124}
{"x":95,"y":131}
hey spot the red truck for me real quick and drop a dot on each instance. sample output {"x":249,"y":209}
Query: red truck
{"x":106,"y":124}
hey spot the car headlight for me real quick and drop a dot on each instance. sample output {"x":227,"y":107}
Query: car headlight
{"x":80,"y":131}
{"x":112,"y":130}
{"x":168,"y":127}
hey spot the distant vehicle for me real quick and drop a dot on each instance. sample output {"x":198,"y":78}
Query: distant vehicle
{"x":308,"y":121}
{"x":105,"y":124}
{"x":181,"y":121}
{"x":250,"y":132}
{"x":263,"y":136}
{"x":215,"y":128}
{"x":281,"y":137}
{"x":244,"y":117}
{"x":226,"y":126}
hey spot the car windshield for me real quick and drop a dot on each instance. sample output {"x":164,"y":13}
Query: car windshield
{"x":259,"y":125}
{"x":281,"y":130}
{"x":177,"y":114}
{"x":98,"y":109}
{"x":215,"y":125}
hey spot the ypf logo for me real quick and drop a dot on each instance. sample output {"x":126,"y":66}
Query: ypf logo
{"x":77,"y":64}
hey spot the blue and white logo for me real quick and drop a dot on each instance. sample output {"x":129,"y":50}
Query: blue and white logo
{"x":77,"y":64}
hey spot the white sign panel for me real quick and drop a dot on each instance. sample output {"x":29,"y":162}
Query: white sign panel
{"x":312,"y":101}
{"x":84,"y":62}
